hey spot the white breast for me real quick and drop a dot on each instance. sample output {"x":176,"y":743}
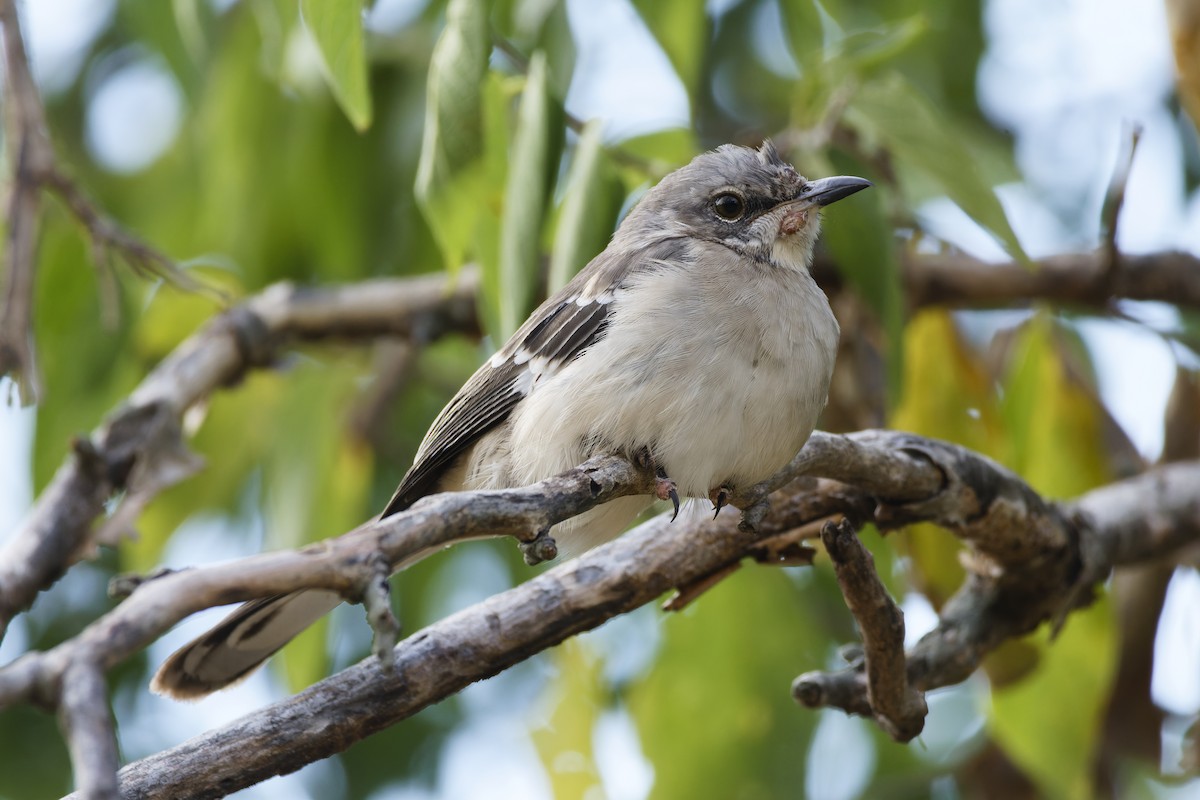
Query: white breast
{"x":721,"y":371}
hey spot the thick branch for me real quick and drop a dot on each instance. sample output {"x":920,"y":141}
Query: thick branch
{"x":345,"y":564}
{"x":486,"y":638}
{"x":1045,"y":546}
{"x":88,"y":729}
{"x":139,"y":449}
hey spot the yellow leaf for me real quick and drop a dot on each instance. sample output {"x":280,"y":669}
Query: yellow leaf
{"x":565,"y":740}
{"x":1055,"y":422}
{"x":947,"y":395}
{"x":1183,"y":20}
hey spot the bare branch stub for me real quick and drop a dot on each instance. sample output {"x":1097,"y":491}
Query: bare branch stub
{"x":896,"y":706}
{"x":540,"y":548}
{"x":1110,"y":214}
{"x":376,"y":600}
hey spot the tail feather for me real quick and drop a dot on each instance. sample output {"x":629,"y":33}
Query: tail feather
{"x":240,"y":644}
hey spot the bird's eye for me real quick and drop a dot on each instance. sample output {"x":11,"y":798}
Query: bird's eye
{"x":729,"y":206}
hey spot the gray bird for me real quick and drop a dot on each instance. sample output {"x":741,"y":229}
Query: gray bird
{"x":697,"y":337}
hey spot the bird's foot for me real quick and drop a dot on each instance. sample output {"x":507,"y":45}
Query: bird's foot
{"x":720,"y":498}
{"x":665,"y":489}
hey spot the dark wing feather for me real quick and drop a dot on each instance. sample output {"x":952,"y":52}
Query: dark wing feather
{"x":562,"y":328}
{"x":484,"y":402}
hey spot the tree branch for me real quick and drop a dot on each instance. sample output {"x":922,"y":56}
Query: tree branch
{"x":897,"y":707}
{"x":35,"y":168}
{"x":139,"y":450}
{"x":31,"y":155}
{"x":253,"y":333}
{"x":1083,"y":279}
{"x":1032,"y":559}
{"x":88,"y":729}
{"x":344,"y":564}
{"x":486,"y":638}
{"x":1128,"y":522}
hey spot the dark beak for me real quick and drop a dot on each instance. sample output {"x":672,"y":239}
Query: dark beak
{"x":830,"y":190}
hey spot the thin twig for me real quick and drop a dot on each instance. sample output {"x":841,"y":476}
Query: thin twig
{"x":109,"y":238}
{"x":35,"y":168}
{"x":30,"y":155}
{"x":1110,"y":214}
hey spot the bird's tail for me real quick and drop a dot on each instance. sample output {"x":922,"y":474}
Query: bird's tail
{"x":250,"y":635}
{"x":254,"y":632}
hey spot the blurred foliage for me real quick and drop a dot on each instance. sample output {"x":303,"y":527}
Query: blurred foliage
{"x":315,"y":149}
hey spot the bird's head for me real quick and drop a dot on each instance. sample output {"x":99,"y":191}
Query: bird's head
{"x":751,"y":201}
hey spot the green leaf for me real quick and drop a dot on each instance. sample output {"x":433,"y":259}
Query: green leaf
{"x":531,"y":25}
{"x":1074,"y":675}
{"x":556,"y":40}
{"x":536,"y":144}
{"x":804,"y":27}
{"x":681,"y":28}
{"x":590,"y":206}
{"x":870,"y":49}
{"x":753,"y":738}
{"x":896,"y":115}
{"x":498,"y":94}
{"x":337,"y":27}
{"x":449,"y":180}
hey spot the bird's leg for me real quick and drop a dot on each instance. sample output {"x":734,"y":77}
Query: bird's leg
{"x":720,"y":498}
{"x":664,"y":487}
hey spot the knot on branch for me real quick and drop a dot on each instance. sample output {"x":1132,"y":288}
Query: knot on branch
{"x":125,"y":584}
{"x":93,"y":464}
{"x":131,"y":434}
{"x":981,"y":501}
{"x":255,"y":342}
{"x":539,"y":549}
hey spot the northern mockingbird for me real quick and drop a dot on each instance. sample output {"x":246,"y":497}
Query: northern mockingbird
{"x":697,"y":337}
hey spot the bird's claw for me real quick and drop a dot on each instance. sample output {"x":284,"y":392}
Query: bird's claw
{"x":665,"y":489}
{"x":720,"y":498}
